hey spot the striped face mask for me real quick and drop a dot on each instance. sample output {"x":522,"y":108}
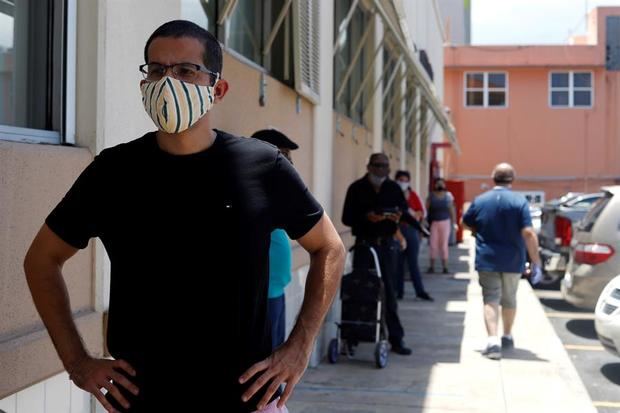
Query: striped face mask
{"x":175,"y":105}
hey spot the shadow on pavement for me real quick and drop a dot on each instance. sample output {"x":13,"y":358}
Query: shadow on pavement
{"x":558,"y":304}
{"x":611,"y":371}
{"x":582,"y":328}
{"x":521,"y":354}
{"x":433,"y":330}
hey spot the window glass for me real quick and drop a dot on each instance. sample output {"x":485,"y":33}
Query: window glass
{"x":497,"y":80}
{"x":475,"y":98}
{"x":497,"y":98}
{"x":559,"y":80}
{"x":582,"y":79}
{"x":348,"y":43}
{"x":244,"y":29}
{"x":475,"y":80}
{"x":582,"y":98}
{"x":201,"y":12}
{"x":559,"y":98}
{"x":31,"y":64}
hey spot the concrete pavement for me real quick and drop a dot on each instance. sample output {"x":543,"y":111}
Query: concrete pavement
{"x":447,"y":372}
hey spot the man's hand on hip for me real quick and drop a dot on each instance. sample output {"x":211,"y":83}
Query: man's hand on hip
{"x":286,"y":365}
{"x":93,"y":375}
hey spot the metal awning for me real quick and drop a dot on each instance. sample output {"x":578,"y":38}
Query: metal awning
{"x":425,"y":84}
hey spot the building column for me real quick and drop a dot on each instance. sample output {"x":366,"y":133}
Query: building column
{"x":322,"y":142}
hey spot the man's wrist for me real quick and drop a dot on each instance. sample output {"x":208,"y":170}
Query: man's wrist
{"x":74,"y":362}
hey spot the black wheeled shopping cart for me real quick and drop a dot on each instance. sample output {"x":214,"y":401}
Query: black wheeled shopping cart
{"x":362,"y":317}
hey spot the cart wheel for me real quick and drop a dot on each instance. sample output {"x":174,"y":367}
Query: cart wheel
{"x":333,"y":350}
{"x":381,"y":354}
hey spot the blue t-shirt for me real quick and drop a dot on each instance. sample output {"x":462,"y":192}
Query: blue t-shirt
{"x":280,"y":263}
{"x":498,"y":216}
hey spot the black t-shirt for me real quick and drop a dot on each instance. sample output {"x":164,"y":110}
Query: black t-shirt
{"x":362,"y":198}
{"x":188,"y":239}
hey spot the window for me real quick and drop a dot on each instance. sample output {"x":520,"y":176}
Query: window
{"x":353,"y":98}
{"x":612,"y":40}
{"x":247,"y":30}
{"x":486,"y":89}
{"x":570,"y":89}
{"x":32,"y":70}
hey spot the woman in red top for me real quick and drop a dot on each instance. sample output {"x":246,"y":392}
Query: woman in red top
{"x":412,"y":236}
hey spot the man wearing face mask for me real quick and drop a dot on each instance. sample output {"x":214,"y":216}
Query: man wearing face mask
{"x":185,"y":214}
{"x":373,"y":207}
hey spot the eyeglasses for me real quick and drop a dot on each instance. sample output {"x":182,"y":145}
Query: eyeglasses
{"x":187,"y":72}
{"x":380,"y":165}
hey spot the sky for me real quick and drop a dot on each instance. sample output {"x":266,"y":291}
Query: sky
{"x":530,"y":21}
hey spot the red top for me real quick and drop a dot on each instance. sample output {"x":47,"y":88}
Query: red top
{"x":415,"y":202}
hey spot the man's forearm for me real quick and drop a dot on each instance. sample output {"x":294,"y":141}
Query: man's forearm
{"x":326,"y":268}
{"x":531,"y":242}
{"x":51,"y":299}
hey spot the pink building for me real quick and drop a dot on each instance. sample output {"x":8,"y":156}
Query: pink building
{"x":550,"y":111}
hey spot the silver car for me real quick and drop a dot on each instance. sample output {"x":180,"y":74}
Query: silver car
{"x":595,"y":251}
{"x":607,"y":317}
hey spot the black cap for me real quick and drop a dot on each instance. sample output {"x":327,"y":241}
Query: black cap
{"x":275,"y":138}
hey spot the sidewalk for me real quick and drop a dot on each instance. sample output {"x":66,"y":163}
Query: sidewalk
{"x":446,"y":372}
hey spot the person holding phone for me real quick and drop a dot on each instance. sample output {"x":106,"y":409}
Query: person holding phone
{"x":373,"y":207}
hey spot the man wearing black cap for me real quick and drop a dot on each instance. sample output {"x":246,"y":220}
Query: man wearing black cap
{"x":373,"y":207}
{"x":280,"y":256}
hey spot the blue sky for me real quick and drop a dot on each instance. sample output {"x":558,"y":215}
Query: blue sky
{"x":530,"y":21}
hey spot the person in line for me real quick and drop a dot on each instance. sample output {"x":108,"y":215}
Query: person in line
{"x":185,"y":214}
{"x":373,"y":208}
{"x":442,"y":216}
{"x":280,"y":255}
{"x":412,"y":237}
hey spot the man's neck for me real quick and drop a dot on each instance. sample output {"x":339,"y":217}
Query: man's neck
{"x":502,"y":186}
{"x":193,"y":140}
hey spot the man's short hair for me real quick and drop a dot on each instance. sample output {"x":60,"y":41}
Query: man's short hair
{"x":212,"y":56}
{"x":376,"y":155}
{"x":503,"y":173}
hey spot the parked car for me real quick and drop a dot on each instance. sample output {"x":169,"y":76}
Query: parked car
{"x":556,"y":232}
{"x":607,"y":317}
{"x":595,"y":251}
{"x":536,"y":214}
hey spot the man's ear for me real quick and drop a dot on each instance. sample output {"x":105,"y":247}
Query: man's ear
{"x":220,"y":89}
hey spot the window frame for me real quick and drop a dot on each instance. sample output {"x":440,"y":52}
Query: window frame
{"x":486,"y":89}
{"x":61,"y":86}
{"x":571,"y":89}
{"x":343,"y":106}
{"x":222,"y":33}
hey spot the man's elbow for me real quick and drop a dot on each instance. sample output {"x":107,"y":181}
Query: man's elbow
{"x":529,"y":234}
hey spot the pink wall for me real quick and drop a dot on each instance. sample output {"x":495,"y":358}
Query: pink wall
{"x":552,"y":149}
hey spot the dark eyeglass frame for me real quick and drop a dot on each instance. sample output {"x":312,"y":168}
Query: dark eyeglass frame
{"x":379,"y":165}
{"x":143,"y":68}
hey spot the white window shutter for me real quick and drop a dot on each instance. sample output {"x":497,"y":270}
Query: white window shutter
{"x":306,"y":16}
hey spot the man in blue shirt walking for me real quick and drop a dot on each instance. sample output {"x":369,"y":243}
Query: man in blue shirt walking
{"x":280,"y":256}
{"x":501,"y":222}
